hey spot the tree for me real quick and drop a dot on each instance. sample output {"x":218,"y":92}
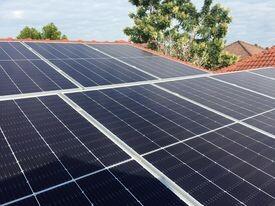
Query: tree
{"x":50,"y":31}
{"x":29,"y":33}
{"x":177,"y":28}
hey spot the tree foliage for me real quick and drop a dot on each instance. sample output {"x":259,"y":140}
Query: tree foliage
{"x":29,"y":33}
{"x":49,"y":31}
{"x":177,"y":28}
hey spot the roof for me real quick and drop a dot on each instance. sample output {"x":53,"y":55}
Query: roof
{"x":264,"y":59}
{"x":243,"y":49}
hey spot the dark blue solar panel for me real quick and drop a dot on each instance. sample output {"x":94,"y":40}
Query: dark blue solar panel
{"x":15,"y":51}
{"x":250,"y":81}
{"x":31,"y":201}
{"x":156,"y":65}
{"x":108,"y":152}
{"x":232,"y":164}
{"x":21,"y":71}
{"x":88,"y":66}
{"x":41,"y":167}
{"x":225,"y":98}
{"x":69,"y":195}
{"x":146,"y":117}
{"x":265,"y":122}
{"x":72,"y":154}
{"x":122,"y":51}
{"x":12,"y":182}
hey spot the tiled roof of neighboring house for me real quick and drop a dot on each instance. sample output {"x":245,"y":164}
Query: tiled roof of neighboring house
{"x":264,"y":59}
{"x":243,"y":49}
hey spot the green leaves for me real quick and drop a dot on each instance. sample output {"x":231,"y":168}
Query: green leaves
{"x":28,"y":32}
{"x":178,"y":28}
{"x":49,"y":31}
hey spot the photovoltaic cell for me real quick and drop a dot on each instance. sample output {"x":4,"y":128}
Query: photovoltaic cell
{"x":225,"y":98}
{"x":231,"y":166}
{"x":12,"y":182}
{"x":156,"y":65}
{"x":265,"y":72}
{"x":265,"y":122}
{"x":122,"y":51}
{"x":144,"y":188}
{"x":87,"y":66}
{"x":23,"y":72}
{"x":250,"y":81}
{"x":146,"y":117}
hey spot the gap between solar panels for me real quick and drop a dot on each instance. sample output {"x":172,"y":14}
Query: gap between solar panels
{"x":53,"y":66}
{"x":122,"y":61}
{"x":94,"y":88}
{"x":236,"y":121}
{"x":142,"y":161}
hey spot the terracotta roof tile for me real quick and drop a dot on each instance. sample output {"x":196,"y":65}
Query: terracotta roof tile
{"x":264,"y":59}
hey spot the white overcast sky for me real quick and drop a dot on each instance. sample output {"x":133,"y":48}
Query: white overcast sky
{"x":253,"y":20}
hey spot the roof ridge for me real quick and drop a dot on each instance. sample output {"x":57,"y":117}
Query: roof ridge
{"x":241,"y":43}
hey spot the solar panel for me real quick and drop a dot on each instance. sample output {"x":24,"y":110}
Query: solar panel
{"x":225,"y":98}
{"x":158,"y":66}
{"x":147,"y":118}
{"x":23,"y":72}
{"x":250,"y":81}
{"x":195,"y":141}
{"x":60,"y":153}
{"x":265,"y":121}
{"x":270,"y":72}
{"x":87,"y":66}
{"x":231,"y":166}
{"x":122,"y":51}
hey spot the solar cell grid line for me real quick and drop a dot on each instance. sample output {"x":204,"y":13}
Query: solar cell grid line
{"x":122,"y":50}
{"x":245,"y":80}
{"x":84,"y":146}
{"x":128,"y":118}
{"x":156,"y":173}
{"x":103,"y":148}
{"x":163,"y":68}
{"x":35,"y":72}
{"x":268,"y":72}
{"x":9,"y":87}
{"x":26,"y":202}
{"x":247,"y":169}
{"x":257,"y":180}
{"x":91,"y":72}
{"x":200,"y":186}
{"x":53,"y":152}
{"x":114,"y":62}
{"x":148,"y":189}
{"x":264,"y":122}
{"x":222,"y":97}
{"x":15,"y":50}
{"x":11,"y":175}
{"x":20,"y":76}
{"x":30,"y":149}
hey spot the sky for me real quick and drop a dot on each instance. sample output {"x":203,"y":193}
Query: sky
{"x":253,"y":20}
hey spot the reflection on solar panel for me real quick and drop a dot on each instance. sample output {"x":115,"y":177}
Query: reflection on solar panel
{"x":23,"y":72}
{"x":232,"y":166}
{"x":122,"y":51}
{"x":225,"y":98}
{"x":87,"y":66}
{"x":250,"y":81}
{"x":265,"y":72}
{"x":201,"y":140}
{"x":158,"y":66}
{"x":56,"y":148}
{"x":147,"y":118}
{"x":265,"y":121}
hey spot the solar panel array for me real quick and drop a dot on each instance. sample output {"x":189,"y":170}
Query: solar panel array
{"x":108,"y":124}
